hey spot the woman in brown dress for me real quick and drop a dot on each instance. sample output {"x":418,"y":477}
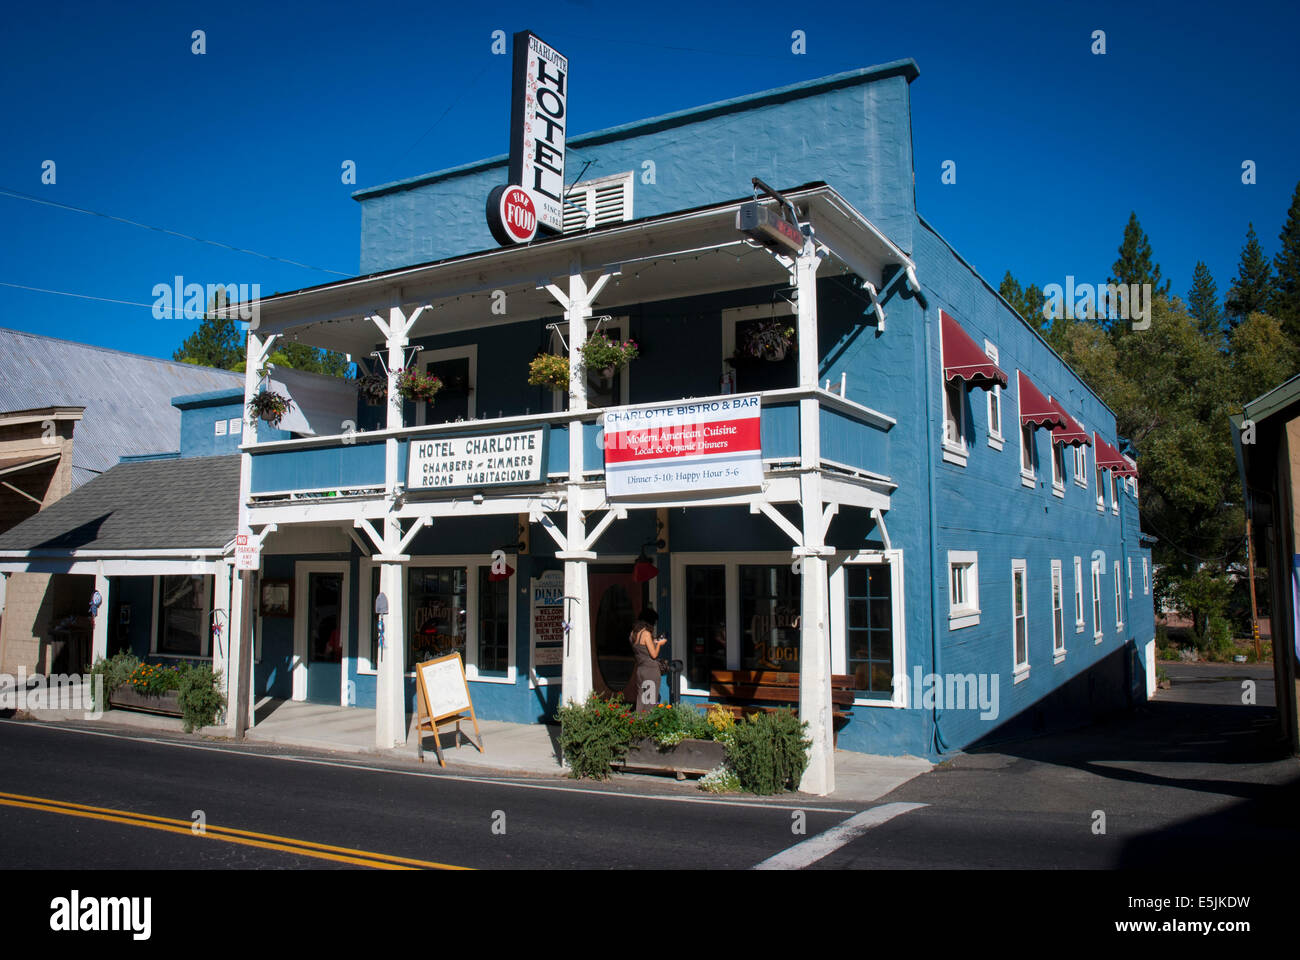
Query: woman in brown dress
{"x":644,"y":685}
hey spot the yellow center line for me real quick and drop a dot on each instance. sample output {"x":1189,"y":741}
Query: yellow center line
{"x":267,"y":841}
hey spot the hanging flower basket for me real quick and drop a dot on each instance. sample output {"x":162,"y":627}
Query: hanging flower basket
{"x":414,"y":385}
{"x":768,"y":340}
{"x":548,"y":370}
{"x":373,"y":388}
{"x":601,"y":354}
{"x":269,"y":406}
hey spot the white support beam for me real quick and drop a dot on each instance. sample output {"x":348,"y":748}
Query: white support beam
{"x":99,"y":635}
{"x":879,"y":517}
{"x":614,"y":513}
{"x":769,"y":511}
{"x":416,"y":527}
{"x":371,"y":532}
{"x":827,"y":515}
{"x":365,"y":548}
{"x":549,"y":526}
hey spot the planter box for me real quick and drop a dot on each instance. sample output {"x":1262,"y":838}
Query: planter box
{"x":696,"y":757}
{"x":127,"y":698}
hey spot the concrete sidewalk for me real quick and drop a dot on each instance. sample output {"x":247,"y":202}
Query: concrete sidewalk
{"x":528,"y":749}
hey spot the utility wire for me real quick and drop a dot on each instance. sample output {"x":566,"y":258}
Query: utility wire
{"x":81,"y":296}
{"x":174,"y":233}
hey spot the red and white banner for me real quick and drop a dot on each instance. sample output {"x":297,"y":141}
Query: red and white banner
{"x":687,"y":446}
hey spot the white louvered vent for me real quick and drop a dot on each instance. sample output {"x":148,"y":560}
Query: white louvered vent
{"x":595,"y":203}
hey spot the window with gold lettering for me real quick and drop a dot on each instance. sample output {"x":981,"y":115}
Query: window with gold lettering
{"x":769,"y":618}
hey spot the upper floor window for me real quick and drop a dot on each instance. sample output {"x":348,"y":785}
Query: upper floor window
{"x":995,"y":403}
{"x":1028,"y":454}
{"x":963,"y":589}
{"x":752,"y":358}
{"x":457,"y":368}
{"x":1081,"y":465}
{"x":1058,"y":468}
{"x":954,"y":416}
{"x":594,"y":203}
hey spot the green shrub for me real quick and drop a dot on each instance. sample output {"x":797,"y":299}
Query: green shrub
{"x":769,"y":752}
{"x":1218,"y":639}
{"x":668,"y":725}
{"x":116,"y":671}
{"x":200,"y":700}
{"x":595,"y":734}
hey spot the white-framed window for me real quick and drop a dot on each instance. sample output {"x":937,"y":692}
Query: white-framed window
{"x":1130,"y":578}
{"x":741,"y":373}
{"x":1101,"y":490}
{"x":1078,"y":595}
{"x":715,"y":611}
{"x":1146,"y":582}
{"x":182,"y":615}
{"x":1096,"y":601}
{"x":1020,"y":619}
{"x":451,"y":605}
{"x":457,"y":368}
{"x":1114,"y":494}
{"x":963,"y":589}
{"x":1081,"y":465}
{"x":1028,"y":455}
{"x":1119,"y":608}
{"x":954,"y":422}
{"x":1058,"y":468}
{"x":1058,"y":612}
{"x":602,"y":391}
{"x":594,"y":203}
{"x":995,"y":437}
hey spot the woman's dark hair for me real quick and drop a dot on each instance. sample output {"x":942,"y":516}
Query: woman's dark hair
{"x":649,"y":616}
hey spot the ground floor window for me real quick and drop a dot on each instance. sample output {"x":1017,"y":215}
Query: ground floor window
{"x":453,"y":605}
{"x":183,"y":611}
{"x":743,"y":612}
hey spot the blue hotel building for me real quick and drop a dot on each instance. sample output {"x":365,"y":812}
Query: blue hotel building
{"x":940,"y":510}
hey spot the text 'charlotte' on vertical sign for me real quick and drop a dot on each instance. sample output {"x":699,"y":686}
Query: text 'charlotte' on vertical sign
{"x":538,"y":118}
{"x":687,"y":446}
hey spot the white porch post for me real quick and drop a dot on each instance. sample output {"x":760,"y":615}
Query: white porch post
{"x":99,"y":638}
{"x":234,"y":631}
{"x":814,"y":634}
{"x":221,"y":614}
{"x":390,"y":686}
{"x":240,"y":701}
{"x":577,"y":662}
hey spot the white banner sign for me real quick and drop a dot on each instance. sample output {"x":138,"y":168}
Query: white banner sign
{"x":688,"y":446}
{"x":538,"y":118}
{"x":478,"y":461}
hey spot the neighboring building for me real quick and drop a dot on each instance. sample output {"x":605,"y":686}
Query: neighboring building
{"x":1267,"y":440}
{"x":914,"y":484}
{"x":68,"y":412}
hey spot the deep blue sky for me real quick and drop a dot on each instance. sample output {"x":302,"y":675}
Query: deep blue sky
{"x":1054,"y":145}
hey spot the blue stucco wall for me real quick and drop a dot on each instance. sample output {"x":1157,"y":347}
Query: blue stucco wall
{"x":852,"y":131}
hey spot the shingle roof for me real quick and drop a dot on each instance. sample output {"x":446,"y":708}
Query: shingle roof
{"x":127,"y":397}
{"x":154,"y":504}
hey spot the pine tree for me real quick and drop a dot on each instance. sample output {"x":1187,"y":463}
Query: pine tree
{"x":1285,"y":302}
{"x":1203,"y":304}
{"x":1027,"y":301}
{"x":218,"y":342}
{"x":1251,"y":289}
{"x":1134,"y":264}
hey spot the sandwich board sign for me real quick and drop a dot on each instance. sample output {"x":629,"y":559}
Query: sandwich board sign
{"x":442,"y":697}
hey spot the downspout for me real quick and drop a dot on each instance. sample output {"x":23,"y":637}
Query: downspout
{"x":939,"y":745}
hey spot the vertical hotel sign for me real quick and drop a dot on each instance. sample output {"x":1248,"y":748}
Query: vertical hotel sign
{"x":690,"y":446}
{"x":538,"y":119}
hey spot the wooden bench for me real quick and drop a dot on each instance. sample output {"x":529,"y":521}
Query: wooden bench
{"x":737,"y":690}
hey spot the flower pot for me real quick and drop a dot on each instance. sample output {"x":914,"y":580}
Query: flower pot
{"x":775,"y":354}
{"x":126,"y":697}
{"x":695,"y":757}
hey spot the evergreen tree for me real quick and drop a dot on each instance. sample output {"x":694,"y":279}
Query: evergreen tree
{"x":1285,"y":303}
{"x":218,"y":342}
{"x":1251,"y":289}
{"x":1135,"y":264}
{"x":1203,"y":304}
{"x":1027,"y":301}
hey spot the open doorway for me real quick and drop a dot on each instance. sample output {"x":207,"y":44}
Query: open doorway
{"x":616,"y":599}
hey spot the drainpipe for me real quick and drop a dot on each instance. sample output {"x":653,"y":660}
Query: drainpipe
{"x":939,"y":745}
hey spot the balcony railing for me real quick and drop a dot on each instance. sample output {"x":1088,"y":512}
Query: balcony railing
{"x":853,"y":439}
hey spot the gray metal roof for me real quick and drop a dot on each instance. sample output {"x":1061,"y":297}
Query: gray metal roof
{"x":127,"y":396}
{"x":150,"y":505}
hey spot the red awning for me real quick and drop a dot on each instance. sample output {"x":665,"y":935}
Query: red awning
{"x":1036,"y":408}
{"x":1072,"y":434}
{"x":963,"y":359}
{"x":1108,"y":458}
{"x":1130,"y":468}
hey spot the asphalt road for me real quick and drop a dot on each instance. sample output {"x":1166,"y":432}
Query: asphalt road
{"x":1193,"y":779}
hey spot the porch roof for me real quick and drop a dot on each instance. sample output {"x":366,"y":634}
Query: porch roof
{"x":685,"y":253}
{"x":160,"y":505}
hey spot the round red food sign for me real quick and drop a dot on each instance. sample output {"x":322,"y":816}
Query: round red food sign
{"x":513,"y":217}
